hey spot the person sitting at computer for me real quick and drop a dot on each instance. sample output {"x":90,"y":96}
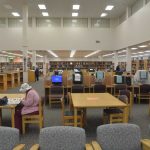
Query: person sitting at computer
{"x":29,"y":104}
{"x":118,"y":68}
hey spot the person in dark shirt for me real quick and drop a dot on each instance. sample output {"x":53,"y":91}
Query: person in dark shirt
{"x":118,"y":68}
{"x":37,"y":73}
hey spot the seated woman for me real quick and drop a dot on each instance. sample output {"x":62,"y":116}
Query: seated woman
{"x":29,"y":104}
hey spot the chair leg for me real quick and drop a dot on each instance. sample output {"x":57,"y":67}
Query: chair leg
{"x":23,"y":127}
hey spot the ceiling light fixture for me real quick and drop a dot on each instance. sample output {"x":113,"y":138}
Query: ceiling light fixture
{"x":42,"y":6}
{"x":93,"y":53}
{"x":121,"y":51}
{"x":52,"y":53}
{"x":15,"y":14}
{"x":108,"y":55}
{"x":103,"y":14}
{"x":76,"y":7}
{"x":109,"y":7}
{"x":45,"y":14}
{"x":142,"y":46}
{"x":74,"y":14}
{"x":134,"y":48}
{"x":72,"y":53}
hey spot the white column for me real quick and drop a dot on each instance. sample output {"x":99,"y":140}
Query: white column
{"x":128,"y":59}
{"x":115,"y":59}
{"x":100,"y":57}
{"x":34,"y":58}
{"x":44,"y":65}
{"x":25,"y":41}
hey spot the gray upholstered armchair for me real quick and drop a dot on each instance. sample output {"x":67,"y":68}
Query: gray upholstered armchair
{"x":120,"y":137}
{"x":62,"y":138}
{"x":9,"y":139}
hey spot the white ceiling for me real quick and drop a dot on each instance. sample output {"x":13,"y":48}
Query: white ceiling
{"x":63,"y":8}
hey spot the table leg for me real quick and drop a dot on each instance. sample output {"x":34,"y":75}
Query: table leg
{"x":0,"y":117}
{"x":75,"y":117}
{"x":125,"y":114}
{"x":13,"y":117}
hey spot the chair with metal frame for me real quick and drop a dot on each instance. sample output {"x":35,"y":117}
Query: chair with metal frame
{"x":77,"y":88}
{"x":34,"y":118}
{"x":118,"y":87}
{"x":99,"y":88}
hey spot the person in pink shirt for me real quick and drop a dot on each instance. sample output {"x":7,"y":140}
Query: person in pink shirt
{"x":29,"y":104}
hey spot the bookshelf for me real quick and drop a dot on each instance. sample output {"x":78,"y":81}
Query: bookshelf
{"x":3,"y":82}
{"x":21,"y":77}
{"x":10,"y":79}
{"x":16,"y":79}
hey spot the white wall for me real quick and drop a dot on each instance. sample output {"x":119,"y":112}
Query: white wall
{"x":61,"y":38}
{"x":135,"y":30}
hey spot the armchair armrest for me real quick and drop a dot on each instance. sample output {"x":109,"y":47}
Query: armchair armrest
{"x":35,"y":147}
{"x":96,"y":146}
{"x":19,"y":147}
{"x":88,"y":147}
{"x":145,"y":144}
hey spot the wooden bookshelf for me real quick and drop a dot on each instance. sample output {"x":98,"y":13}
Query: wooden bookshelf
{"x":3,"y":82}
{"x":16,"y":79}
{"x":21,"y":77}
{"x":10,"y":79}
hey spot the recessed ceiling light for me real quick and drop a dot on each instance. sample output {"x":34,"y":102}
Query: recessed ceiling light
{"x":15,"y":14}
{"x":103,"y":14}
{"x":93,"y":53}
{"x":45,"y":14}
{"x":142,"y":46}
{"x":148,"y":51}
{"x":133,"y":48}
{"x":76,"y":7}
{"x":108,"y":54}
{"x":109,"y":7}
{"x":52,"y":53}
{"x":42,"y":6}
{"x":74,"y":14}
{"x":72,"y":53}
{"x":141,"y":52}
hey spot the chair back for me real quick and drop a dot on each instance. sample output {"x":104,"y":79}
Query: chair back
{"x":118,"y":87}
{"x":99,"y":88}
{"x":70,"y":101}
{"x":56,"y":90}
{"x":127,"y":93}
{"x":119,"y":137}
{"x":145,"y":88}
{"x":9,"y":138}
{"x":77,"y":89}
{"x":62,"y":138}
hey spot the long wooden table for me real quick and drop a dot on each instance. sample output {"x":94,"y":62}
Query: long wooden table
{"x":97,"y":100}
{"x":11,"y":107}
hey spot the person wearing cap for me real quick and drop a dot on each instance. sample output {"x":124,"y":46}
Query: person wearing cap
{"x":29,"y":104}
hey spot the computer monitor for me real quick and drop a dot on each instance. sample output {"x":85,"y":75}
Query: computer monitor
{"x":143,"y":74}
{"x":60,"y":72}
{"x":56,"y":79}
{"x":128,"y":80}
{"x":118,"y":79}
{"x":77,"y":78}
{"x":91,"y":70}
{"x":99,"y":75}
{"x":76,"y":70}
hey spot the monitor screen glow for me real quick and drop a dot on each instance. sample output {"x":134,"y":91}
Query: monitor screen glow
{"x":143,"y":75}
{"x":100,"y":75}
{"x":56,"y":79}
{"x":119,"y":80}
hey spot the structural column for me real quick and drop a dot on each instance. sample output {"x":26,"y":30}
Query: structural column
{"x":34,"y":58}
{"x":25,"y":41}
{"x":115,"y":59}
{"x":44,"y":65}
{"x":128,"y":59}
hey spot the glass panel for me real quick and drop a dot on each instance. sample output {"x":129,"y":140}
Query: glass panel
{"x":100,"y":23}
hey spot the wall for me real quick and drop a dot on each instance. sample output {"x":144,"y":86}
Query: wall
{"x":135,"y":30}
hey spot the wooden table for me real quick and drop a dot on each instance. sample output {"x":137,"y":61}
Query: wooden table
{"x":96,"y":100}
{"x":11,"y":107}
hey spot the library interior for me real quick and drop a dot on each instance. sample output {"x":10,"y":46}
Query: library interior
{"x":74,"y":75}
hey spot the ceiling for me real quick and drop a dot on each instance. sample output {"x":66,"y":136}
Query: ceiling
{"x":63,"y":8}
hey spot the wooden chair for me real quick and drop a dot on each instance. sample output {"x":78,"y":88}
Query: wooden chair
{"x":33,"y":119}
{"x":68,"y":116}
{"x":115,"y":115}
{"x":56,"y":93}
{"x":99,"y":88}
{"x":144,"y":92}
{"x":118,"y":87}
{"x":77,"y":89}
{"x":62,"y":138}
{"x":119,"y":137}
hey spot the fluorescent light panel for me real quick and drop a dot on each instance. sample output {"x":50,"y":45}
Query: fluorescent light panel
{"x":52,"y":53}
{"x":76,"y":7}
{"x":92,"y":53}
{"x":134,"y":48}
{"x":122,"y":51}
{"x":45,"y":14}
{"x":109,"y":7}
{"x":72,"y":53}
{"x":74,"y":14}
{"x":103,"y":14}
{"x":42,"y":6}
{"x":16,"y":14}
{"x":142,"y":46}
{"x":108,"y":55}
